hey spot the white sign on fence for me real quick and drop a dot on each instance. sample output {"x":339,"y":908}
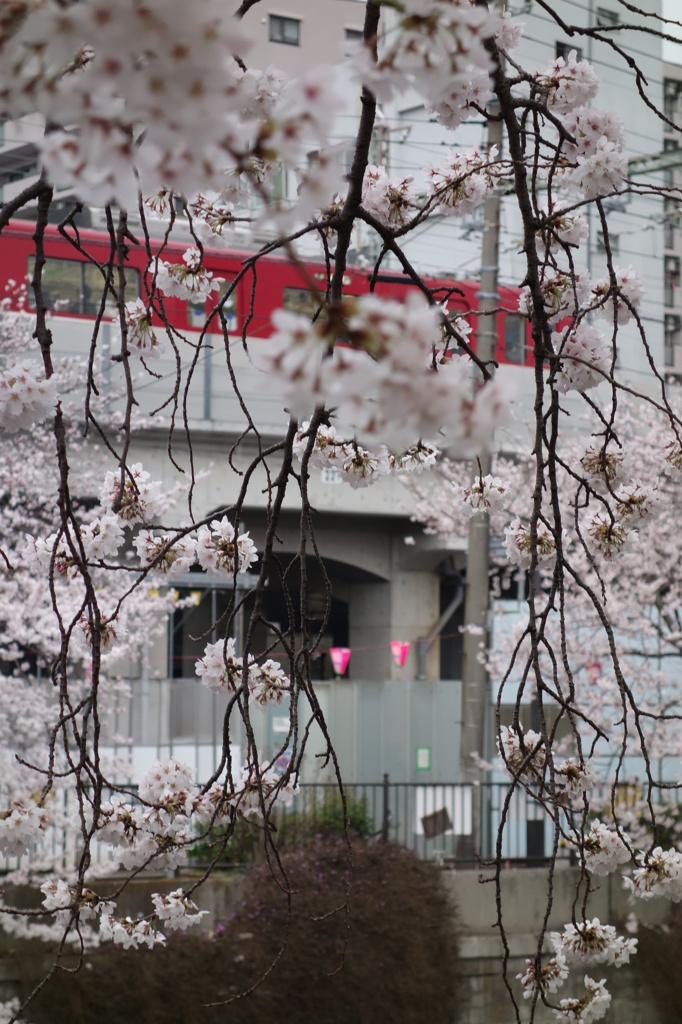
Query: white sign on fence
{"x":456,"y":800}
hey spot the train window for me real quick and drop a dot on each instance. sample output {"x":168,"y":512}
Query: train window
{"x":73,"y":286}
{"x":196,"y":314}
{"x":514,"y":339}
{"x":303,"y":301}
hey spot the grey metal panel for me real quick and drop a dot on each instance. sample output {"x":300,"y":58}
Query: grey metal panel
{"x":370,"y":728}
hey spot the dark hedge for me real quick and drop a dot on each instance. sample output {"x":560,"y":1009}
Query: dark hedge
{"x":392,"y":958}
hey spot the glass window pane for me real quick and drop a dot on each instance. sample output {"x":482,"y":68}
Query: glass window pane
{"x":93,"y":285}
{"x":62,"y":285}
{"x":72,"y":286}
{"x":300,"y":300}
{"x":515,"y":339}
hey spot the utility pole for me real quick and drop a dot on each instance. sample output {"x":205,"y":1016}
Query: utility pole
{"x":475,"y":697}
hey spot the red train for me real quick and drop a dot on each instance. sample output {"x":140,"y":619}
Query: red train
{"x":73,"y":285}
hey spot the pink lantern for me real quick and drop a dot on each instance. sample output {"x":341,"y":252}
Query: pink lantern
{"x":400,"y":649}
{"x":593,"y":671}
{"x":339,"y":656}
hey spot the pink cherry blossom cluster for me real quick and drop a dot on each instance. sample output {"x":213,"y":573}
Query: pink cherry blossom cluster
{"x":603,"y":848}
{"x":606,"y":536}
{"x":432,"y":44}
{"x":659,"y":874}
{"x":563,"y":293}
{"x":140,"y":501}
{"x":552,"y":976}
{"x":221,"y":552}
{"x":623,"y":299}
{"x":578,"y":777}
{"x":26,"y":397}
{"x":590,"y":1007}
{"x":585,"y":358}
{"x":211,"y":219}
{"x":385,"y":388}
{"x":358,"y":466}
{"x":176,"y":910}
{"x":142,"y":339}
{"x":485,"y":494}
{"x":463,"y":180}
{"x":168,"y":555}
{"x":523,"y":755}
{"x":518,"y":546}
{"x":567,"y":228}
{"x":567,"y":83}
{"x":463,"y":96}
{"x":393,"y":201}
{"x":590,"y":942}
{"x":21,"y":825}
{"x":220,"y":670}
{"x":188,"y":281}
{"x":605,"y":468}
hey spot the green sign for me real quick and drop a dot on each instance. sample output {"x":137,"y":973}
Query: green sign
{"x":423,"y":759}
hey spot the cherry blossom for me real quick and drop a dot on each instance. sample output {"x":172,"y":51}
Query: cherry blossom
{"x":268,"y":683}
{"x":188,"y":281}
{"x":590,"y":1007}
{"x":483,"y":495}
{"x":221,"y":552}
{"x":524,"y":755}
{"x":628,"y":287}
{"x":605,"y":468}
{"x":606,"y":536}
{"x":598,"y":174}
{"x":659,"y":874}
{"x":169,"y":556}
{"x":567,"y":84}
{"x":130,"y":934}
{"x":393,"y":201}
{"x":462,"y":182}
{"x":258,"y":788}
{"x":517,"y":544}
{"x":142,"y":339}
{"x":433,"y":43}
{"x":569,"y":228}
{"x":552,"y":976}
{"x":563,"y":294}
{"x":176,"y":910}
{"x":20,"y":827}
{"x":590,"y":942}
{"x":102,"y":537}
{"x":141,"y":501}
{"x":220,"y":669}
{"x":579,"y":777}
{"x":25,"y":396}
{"x":456,"y":105}
{"x":603,"y":848}
{"x":585,"y":358}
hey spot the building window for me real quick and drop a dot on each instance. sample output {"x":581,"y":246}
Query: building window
{"x":673,"y":328}
{"x":353,"y":34}
{"x":672,"y":279}
{"x":563,"y":50}
{"x":668,"y":234}
{"x":285,"y":30}
{"x":671,"y":99}
{"x":607,"y":18}
{"x":614,"y":243}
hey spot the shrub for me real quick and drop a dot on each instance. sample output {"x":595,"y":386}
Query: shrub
{"x":391,"y":957}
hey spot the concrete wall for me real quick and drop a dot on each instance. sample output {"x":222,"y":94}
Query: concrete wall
{"x":484,"y":998}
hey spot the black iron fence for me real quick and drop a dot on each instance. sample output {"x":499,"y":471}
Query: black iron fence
{"x":446,"y":822}
{"x":450,"y":822}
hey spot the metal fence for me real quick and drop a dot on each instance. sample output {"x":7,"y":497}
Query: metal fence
{"x":450,"y":822}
